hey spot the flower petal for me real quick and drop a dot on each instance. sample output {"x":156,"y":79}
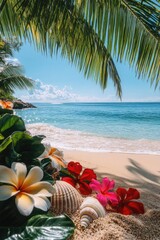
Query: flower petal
{"x":132,"y":193}
{"x":54,"y":163}
{"x":57,"y":162}
{"x":46,"y":152}
{"x":112,"y":197}
{"x":24,"y":204}
{"x":7,"y":175}
{"x":122,"y":192}
{"x":58,"y":153}
{"x":95,"y":185}
{"x":102,"y":199}
{"x":136,"y":207}
{"x":35,"y":175}
{"x":88,"y":174}
{"x":41,"y":189}
{"x":74,"y":167}
{"x":7,"y":191}
{"x":69,"y":180}
{"x":107,"y":184}
{"x":41,"y":203}
{"x":84,"y":188}
{"x":125,"y":210}
{"x":21,"y":171}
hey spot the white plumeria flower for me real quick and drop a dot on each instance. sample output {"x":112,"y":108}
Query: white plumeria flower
{"x":55,"y":155}
{"x":46,"y":152}
{"x":29,"y":192}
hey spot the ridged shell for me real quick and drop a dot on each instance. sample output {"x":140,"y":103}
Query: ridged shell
{"x":66,"y":198}
{"x":90,"y":210}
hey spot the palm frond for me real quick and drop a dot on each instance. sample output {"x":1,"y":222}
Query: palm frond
{"x":5,"y":50}
{"x":126,"y":29}
{"x":11,"y":77}
{"x":62,"y":31}
{"x":130,"y":30}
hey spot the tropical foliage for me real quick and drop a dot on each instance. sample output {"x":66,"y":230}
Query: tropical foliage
{"x":25,"y":185}
{"x":11,"y":74}
{"x":90,"y":33}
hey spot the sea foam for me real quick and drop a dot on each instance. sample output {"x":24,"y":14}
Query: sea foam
{"x":77,"y":140}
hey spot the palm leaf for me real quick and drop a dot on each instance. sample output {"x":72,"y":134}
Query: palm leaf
{"x":62,"y":31}
{"x":130,"y":30}
{"x":11,"y":77}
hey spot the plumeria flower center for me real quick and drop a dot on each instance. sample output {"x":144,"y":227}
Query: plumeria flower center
{"x":28,"y":189}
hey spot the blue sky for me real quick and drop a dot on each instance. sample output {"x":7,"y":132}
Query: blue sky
{"x":59,"y":81}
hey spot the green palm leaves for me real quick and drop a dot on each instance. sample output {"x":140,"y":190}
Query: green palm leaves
{"x":11,"y":75}
{"x":89,"y":32}
{"x":130,"y":30}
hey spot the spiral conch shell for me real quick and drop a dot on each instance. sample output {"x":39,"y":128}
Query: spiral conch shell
{"x":66,"y":198}
{"x":90,"y":210}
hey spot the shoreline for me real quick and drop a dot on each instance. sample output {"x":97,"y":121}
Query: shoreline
{"x":76,"y":140}
{"x":109,"y":152}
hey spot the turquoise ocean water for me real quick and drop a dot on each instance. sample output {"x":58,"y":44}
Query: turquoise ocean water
{"x":111,"y":127}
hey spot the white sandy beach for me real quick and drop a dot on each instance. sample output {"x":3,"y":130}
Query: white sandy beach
{"x":128,"y":170}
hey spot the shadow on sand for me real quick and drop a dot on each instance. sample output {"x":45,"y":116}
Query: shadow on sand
{"x":147,"y":182}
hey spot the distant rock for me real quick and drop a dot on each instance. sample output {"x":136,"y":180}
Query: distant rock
{"x":19,"y":104}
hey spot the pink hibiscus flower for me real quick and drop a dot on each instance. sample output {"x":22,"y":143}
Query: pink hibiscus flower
{"x":104,"y":191}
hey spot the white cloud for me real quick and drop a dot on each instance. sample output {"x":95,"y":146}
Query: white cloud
{"x":13,"y":61}
{"x":49,"y":93}
{"x":52,"y":94}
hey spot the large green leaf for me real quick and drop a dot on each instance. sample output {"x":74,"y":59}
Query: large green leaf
{"x":3,"y":111}
{"x":41,"y":227}
{"x":11,"y":123}
{"x":7,"y":152}
{"x":5,"y":144}
{"x":27,"y":146}
{"x":21,"y":147}
{"x":10,"y":216}
{"x":1,"y":137}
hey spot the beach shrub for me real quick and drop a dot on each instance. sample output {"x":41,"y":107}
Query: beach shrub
{"x":20,"y":150}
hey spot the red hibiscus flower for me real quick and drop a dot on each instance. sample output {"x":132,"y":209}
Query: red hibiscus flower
{"x":74,"y":167}
{"x":125,"y":205}
{"x":80,"y":181}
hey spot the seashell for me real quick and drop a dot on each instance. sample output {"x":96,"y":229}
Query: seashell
{"x":66,"y":198}
{"x":90,"y":210}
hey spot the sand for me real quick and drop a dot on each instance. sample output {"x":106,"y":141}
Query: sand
{"x":128,"y":170}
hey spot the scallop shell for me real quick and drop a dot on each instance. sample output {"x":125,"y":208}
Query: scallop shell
{"x":90,"y":210}
{"x":66,"y":198}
